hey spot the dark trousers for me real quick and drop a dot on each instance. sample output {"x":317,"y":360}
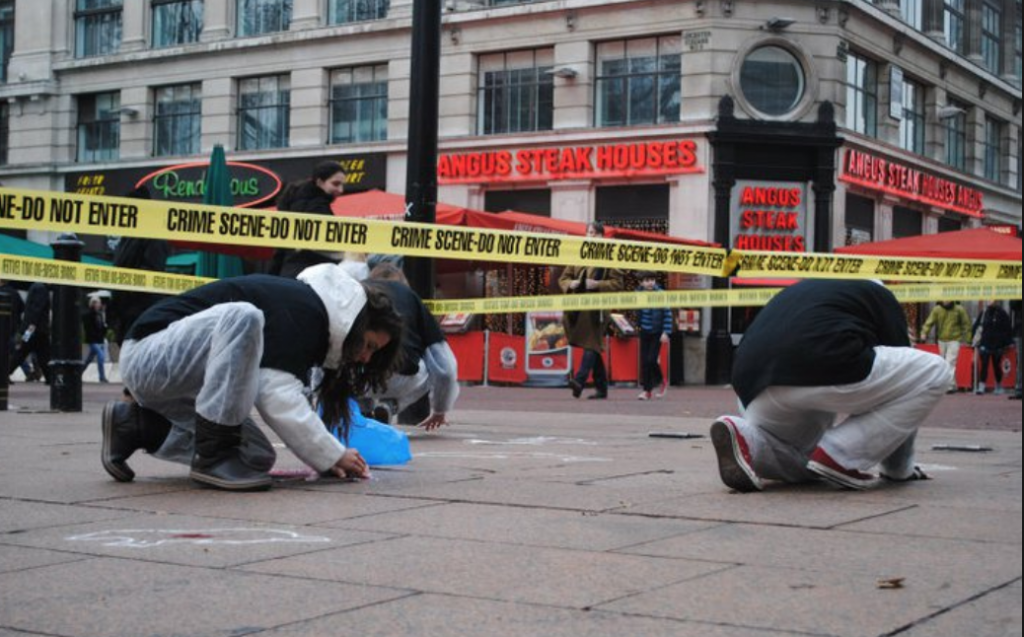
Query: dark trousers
{"x":995,"y":356}
{"x":593,"y":363}
{"x":650,"y":371}
{"x":38,"y":344}
{"x":1020,"y":364}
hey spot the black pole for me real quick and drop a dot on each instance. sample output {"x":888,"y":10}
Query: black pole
{"x":421,"y":173}
{"x":6,"y":330}
{"x":719,"y":345}
{"x":66,"y":337}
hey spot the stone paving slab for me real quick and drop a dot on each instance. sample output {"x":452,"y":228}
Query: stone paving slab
{"x":430,"y":615}
{"x":996,"y":614}
{"x":552,"y":577}
{"x":124,"y":597}
{"x":15,"y":558}
{"x":524,"y":527}
{"x":191,"y":540}
{"x":941,"y":522}
{"x":831,"y":603}
{"x":19,"y":516}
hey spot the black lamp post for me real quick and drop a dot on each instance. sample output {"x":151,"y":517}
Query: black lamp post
{"x":66,"y":336}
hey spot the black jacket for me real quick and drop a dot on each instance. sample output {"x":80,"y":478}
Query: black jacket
{"x":296,"y":329}
{"x":1015,"y":308}
{"x":138,"y":254}
{"x":94,"y":326}
{"x":37,"y":309}
{"x":817,"y":333}
{"x":420,"y":329}
{"x":996,"y":329}
{"x":308,"y":198}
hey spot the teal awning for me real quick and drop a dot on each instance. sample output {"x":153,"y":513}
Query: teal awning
{"x":24,"y":248}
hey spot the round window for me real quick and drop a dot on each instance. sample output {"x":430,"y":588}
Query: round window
{"x":772,"y":80}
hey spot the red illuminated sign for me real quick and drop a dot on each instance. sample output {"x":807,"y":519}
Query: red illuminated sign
{"x":770,"y":217}
{"x":875,"y":173}
{"x":575,"y":162}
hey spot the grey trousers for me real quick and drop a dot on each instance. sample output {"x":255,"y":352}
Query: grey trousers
{"x":206,"y":364}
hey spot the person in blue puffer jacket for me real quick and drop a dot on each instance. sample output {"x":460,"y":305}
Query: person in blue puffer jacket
{"x":655,"y":328}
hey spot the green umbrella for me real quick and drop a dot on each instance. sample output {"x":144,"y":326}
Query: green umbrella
{"x":217,"y":192}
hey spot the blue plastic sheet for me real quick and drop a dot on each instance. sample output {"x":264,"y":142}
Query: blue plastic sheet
{"x":378,"y":443}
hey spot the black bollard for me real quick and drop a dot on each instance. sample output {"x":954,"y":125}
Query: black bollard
{"x":66,"y":336}
{"x":6,"y":328}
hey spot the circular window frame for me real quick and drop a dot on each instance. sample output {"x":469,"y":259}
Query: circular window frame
{"x":807,"y":100}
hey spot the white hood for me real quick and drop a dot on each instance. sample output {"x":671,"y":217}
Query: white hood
{"x":344,"y":298}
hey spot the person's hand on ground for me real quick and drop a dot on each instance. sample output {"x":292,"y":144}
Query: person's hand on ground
{"x":433,"y":422}
{"x":351,"y":465}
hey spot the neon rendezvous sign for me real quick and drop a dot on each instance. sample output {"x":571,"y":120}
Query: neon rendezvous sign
{"x":875,"y":173}
{"x":573,"y":162}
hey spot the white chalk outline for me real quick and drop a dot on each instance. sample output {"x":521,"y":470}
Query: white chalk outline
{"x":121,"y":537}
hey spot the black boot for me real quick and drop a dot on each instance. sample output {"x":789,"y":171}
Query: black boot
{"x":128,"y":427}
{"x":219,"y":462}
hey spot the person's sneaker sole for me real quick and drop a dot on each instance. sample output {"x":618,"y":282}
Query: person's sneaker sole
{"x":841,"y":479}
{"x":120,"y":472}
{"x":732,"y":467}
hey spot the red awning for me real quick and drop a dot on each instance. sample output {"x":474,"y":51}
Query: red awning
{"x":977,"y":243}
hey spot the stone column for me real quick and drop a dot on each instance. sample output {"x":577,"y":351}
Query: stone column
{"x":934,"y":20}
{"x":972,"y":31}
{"x":216,"y":20}
{"x":133,"y":26}
{"x":218,"y":114}
{"x":306,"y":14}
{"x":1008,"y":53}
{"x":309,"y":108}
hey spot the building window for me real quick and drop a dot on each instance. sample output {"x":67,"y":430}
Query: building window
{"x":516,"y":92}
{"x":178,"y":120}
{"x":256,"y":17}
{"x":97,"y":27}
{"x":639,"y":81}
{"x":906,"y":222}
{"x":176,"y":22}
{"x":533,"y":201}
{"x":950,"y":224}
{"x":5,"y":128}
{"x":911,"y":12}
{"x":860,"y":220}
{"x":772,"y":80}
{"x":956,"y":137}
{"x":99,"y":127}
{"x":345,"y":11}
{"x":7,"y":36}
{"x":263,"y":110}
{"x":912,"y":122}
{"x":953,"y":24}
{"x":1017,"y":46}
{"x":359,"y":104}
{"x":861,"y":95}
{"x":991,"y":36}
{"x":993,"y":146}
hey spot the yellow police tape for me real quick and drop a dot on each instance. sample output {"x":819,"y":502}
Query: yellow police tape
{"x":696,"y":299}
{"x":86,"y":214}
{"x":63,"y":212}
{"x":844,"y":266}
{"x":14,"y":268}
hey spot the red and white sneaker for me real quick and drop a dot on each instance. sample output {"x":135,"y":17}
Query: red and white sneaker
{"x":662,"y":390}
{"x":825,"y":466}
{"x":735,"y":465}
{"x":644,"y":395}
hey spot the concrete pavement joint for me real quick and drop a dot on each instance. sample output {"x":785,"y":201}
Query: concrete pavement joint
{"x":939,"y":613}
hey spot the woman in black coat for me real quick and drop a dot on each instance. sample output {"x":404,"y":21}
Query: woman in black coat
{"x":311,"y":196}
{"x":996,"y":336}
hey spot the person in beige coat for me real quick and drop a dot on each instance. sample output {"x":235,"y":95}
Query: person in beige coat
{"x":586,"y":330}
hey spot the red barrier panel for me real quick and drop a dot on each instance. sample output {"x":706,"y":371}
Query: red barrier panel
{"x":625,"y":357}
{"x":469,"y":352}
{"x":506,"y":359}
{"x":966,"y":362}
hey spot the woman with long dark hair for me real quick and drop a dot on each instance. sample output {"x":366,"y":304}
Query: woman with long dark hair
{"x":198,"y":363}
{"x":314,"y":196}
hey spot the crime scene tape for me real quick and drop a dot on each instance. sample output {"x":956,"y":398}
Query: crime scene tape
{"x":14,"y":268}
{"x":755,"y":297}
{"x":17,"y":268}
{"x":844,"y":266}
{"x":87,"y":214}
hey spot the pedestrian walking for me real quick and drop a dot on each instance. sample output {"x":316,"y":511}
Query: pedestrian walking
{"x":952,"y":329}
{"x":586,"y":330}
{"x":197,"y":364}
{"x":655,"y":329}
{"x":993,"y":334}
{"x":817,"y":350}
{"x":94,"y":327}
{"x":34,"y":331}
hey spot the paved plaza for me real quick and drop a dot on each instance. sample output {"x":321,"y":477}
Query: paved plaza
{"x":550,"y":519}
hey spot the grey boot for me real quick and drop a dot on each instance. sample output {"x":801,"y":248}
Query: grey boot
{"x":128,"y":427}
{"x":219,"y":460}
